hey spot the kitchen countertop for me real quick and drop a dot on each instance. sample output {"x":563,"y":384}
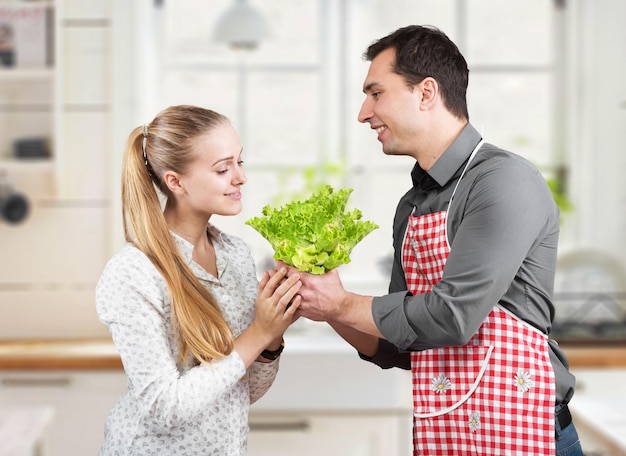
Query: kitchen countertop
{"x":100,"y":354}
{"x":53,"y":354}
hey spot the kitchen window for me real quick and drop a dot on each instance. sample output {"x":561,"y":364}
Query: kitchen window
{"x":295,"y":99}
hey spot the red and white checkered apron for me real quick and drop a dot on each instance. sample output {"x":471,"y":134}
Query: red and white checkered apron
{"x":493,"y":396}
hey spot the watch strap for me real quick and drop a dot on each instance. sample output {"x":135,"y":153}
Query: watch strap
{"x":273,"y":354}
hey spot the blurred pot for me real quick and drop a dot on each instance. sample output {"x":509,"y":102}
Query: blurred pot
{"x":14,"y":207}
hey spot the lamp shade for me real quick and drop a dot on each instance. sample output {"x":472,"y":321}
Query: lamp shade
{"x":241,"y":26}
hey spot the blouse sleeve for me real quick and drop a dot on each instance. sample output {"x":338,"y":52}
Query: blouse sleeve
{"x":130,"y":300}
{"x":262,"y":376}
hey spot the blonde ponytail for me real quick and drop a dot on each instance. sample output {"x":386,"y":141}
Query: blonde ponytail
{"x":197,"y":318}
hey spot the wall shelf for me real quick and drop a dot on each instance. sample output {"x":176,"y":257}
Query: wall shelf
{"x":32,"y":164}
{"x":29,"y":93}
{"x":26,"y":74}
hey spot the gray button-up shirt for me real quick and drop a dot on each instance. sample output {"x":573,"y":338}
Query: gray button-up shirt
{"x":503,"y":227}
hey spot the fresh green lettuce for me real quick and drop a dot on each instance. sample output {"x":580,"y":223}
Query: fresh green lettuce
{"x":314,"y":235}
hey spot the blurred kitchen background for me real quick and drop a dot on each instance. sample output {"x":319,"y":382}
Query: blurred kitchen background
{"x":547,"y":81}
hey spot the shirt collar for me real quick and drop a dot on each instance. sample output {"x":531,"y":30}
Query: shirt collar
{"x":186,"y":250}
{"x":450,"y":161}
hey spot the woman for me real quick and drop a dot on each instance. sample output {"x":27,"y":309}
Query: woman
{"x":198,"y":335}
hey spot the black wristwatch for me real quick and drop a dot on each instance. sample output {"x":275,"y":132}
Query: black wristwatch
{"x":273,"y":354}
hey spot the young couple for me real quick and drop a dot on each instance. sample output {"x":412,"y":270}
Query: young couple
{"x":469,"y":306}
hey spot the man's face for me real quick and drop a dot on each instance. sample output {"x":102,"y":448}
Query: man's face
{"x":391,"y":107}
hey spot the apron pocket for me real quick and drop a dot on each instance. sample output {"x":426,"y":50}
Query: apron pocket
{"x":447,"y":377}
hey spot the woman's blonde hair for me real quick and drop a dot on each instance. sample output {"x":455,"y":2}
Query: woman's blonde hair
{"x":160,"y":146}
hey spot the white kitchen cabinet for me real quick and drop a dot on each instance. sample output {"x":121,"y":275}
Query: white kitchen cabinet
{"x":27,"y":77}
{"x":27,"y":99}
{"x":66,"y":102}
{"x":342,"y":433}
{"x":326,"y":400}
{"x":598,"y":410}
{"x":54,"y":98}
{"x":84,"y":99}
{"x":80,"y":402}
{"x":23,"y":430}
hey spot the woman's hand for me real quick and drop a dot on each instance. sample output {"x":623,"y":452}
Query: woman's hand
{"x":276,"y":307}
{"x":277,"y":302}
{"x":323,"y":298}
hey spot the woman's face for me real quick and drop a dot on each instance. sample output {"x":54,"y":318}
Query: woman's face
{"x":212,"y":185}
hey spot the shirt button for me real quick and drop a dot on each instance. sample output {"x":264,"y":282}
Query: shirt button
{"x":225,"y":298}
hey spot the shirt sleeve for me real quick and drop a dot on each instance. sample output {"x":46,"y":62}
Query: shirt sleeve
{"x":498,"y":217}
{"x":245,"y":286}
{"x":388,"y":356}
{"x":262,"y":376}
{"x":130,"y":301}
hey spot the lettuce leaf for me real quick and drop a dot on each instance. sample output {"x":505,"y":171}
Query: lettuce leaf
{"x":314,"y":235}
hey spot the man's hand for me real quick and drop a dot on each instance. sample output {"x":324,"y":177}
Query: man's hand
{"x":325,"y":299}
{"x":322,"y":295}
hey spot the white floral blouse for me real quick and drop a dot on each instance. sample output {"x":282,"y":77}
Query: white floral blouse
{"x":171,"y":409}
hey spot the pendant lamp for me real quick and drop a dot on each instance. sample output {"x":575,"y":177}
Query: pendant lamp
{"x":242,"y":26}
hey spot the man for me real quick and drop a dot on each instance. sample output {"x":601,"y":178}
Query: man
{"x":469,"y":307}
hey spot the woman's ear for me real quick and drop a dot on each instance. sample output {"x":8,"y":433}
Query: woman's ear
{"x":172,"y":182}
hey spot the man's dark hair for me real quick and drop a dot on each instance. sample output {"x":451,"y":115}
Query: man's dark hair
{"x":425,"y":51}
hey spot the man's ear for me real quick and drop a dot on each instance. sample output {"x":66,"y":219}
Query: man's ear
{"x":172,"y":182}
{"x":430,"y":91}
